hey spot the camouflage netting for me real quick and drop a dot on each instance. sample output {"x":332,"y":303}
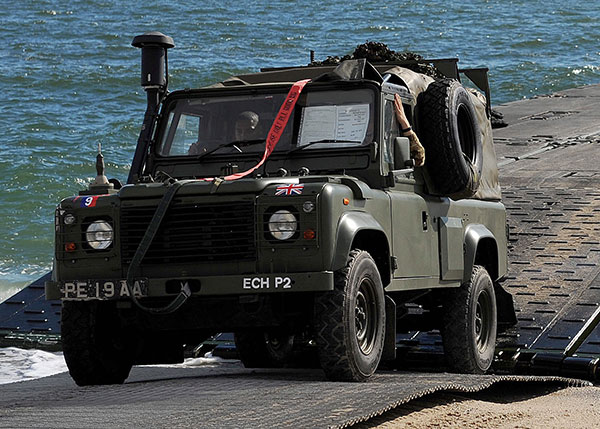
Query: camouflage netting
{"x":377,"y":52}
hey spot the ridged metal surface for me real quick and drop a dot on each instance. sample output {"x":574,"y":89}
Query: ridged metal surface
{"x":29,"y":312}
{"x":555,"y":259}
{"x":228,"y":397}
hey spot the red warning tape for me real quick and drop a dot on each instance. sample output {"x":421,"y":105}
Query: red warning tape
{"x":281,"y":120}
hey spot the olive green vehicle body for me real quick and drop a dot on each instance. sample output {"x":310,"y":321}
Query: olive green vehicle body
{"x":433,"y":240}
{"x":420,"y":243}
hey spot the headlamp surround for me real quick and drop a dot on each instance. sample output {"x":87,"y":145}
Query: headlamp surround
{"x":283,"y":224}
{"x":99,"y":235}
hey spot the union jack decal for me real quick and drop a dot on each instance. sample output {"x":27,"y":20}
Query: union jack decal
{"x":290,"y":189}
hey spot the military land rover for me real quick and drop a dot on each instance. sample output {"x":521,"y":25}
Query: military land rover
{"x":284,"y":206}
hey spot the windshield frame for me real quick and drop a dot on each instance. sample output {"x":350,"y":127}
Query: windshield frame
{"x":156,"y":159}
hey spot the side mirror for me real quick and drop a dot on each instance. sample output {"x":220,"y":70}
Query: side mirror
{"x":402,"y":159}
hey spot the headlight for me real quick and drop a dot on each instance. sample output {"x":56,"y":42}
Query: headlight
{"x":283,"y":224}
{"x":99,"y":235}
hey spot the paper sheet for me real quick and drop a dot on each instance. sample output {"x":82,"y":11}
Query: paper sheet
{"x":345,"y":123}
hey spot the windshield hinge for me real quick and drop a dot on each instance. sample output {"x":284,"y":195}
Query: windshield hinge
{"x":229,"y":169}
{"x":374,"y":150}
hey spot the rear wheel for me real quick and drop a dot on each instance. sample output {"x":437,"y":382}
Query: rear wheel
{"x":350,"y":321}
{"x":470,"y":324}
{"x":96,"y":348}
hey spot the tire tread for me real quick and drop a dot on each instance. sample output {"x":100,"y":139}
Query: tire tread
{"x":84,"y":354}
{"x":456,"y":333}
{"x":447,"y":169}
{"x":333,"y":345}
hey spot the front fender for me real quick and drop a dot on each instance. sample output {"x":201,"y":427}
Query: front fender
{"x":350,"y":224}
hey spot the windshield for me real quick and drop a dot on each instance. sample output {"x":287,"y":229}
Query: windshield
{"x":233,"y":124}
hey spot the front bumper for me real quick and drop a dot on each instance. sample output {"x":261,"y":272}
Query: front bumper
{"x":216,"y":285}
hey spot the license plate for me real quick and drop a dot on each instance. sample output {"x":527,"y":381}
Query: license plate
{"x":103,"y":289}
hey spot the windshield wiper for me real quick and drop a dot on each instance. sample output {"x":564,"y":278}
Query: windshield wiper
{"x":232,"y":144}
{"x":299,"y":148}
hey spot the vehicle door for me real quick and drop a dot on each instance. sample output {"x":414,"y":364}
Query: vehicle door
{"x":415,"y":238}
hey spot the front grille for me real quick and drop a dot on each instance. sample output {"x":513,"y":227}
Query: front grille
{"x":213,"y":232}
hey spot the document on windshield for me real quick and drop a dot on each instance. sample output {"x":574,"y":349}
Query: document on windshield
{"x":345,"y":124}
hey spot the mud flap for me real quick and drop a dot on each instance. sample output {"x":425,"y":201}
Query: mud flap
{"x":389,"y":342}
{"x":506,"y":308}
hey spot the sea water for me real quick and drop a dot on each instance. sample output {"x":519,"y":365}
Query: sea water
{"x":70,"y":77}
{"x":18,"y":364}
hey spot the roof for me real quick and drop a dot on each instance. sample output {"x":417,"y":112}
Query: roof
{"x":348,"y":70}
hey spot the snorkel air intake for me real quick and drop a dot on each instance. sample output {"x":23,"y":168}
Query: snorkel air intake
{"x":154,"y":47}
{"x":154,"y":80}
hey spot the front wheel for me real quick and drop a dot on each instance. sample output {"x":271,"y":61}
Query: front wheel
{"x":96,"y":348}
{"x":350,"y":321}
{"x":470,"y":324}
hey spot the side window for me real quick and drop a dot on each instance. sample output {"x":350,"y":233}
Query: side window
{"x":390,"y":130}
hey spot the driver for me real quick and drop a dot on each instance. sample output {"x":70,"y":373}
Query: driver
{"x":246,"y":126}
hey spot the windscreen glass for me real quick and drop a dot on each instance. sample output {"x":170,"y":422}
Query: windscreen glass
{"x":233,"y":124}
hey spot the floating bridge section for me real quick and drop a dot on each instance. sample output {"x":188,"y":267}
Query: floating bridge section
{"x":28,"y":320}
{"x":550,"y":172}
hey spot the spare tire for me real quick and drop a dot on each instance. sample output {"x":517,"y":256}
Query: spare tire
{"x":450,"y":133}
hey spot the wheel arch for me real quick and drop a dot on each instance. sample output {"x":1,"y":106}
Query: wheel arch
{"x":359,"y":230}
{"x":481,"y":248}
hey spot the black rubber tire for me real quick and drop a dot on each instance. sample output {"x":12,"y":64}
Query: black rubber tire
{"x":350,"y":321}
{"x":95,"y":347}
{"x":451,"y":135}
{"x":470,"y":324}
{"x":260,"y":349}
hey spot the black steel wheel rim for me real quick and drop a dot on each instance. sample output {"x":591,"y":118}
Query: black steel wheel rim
{"x":365,"y":316}
{"x":483,"y":321}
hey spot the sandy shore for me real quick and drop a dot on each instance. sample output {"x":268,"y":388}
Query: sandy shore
{"x":503,"y":406}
